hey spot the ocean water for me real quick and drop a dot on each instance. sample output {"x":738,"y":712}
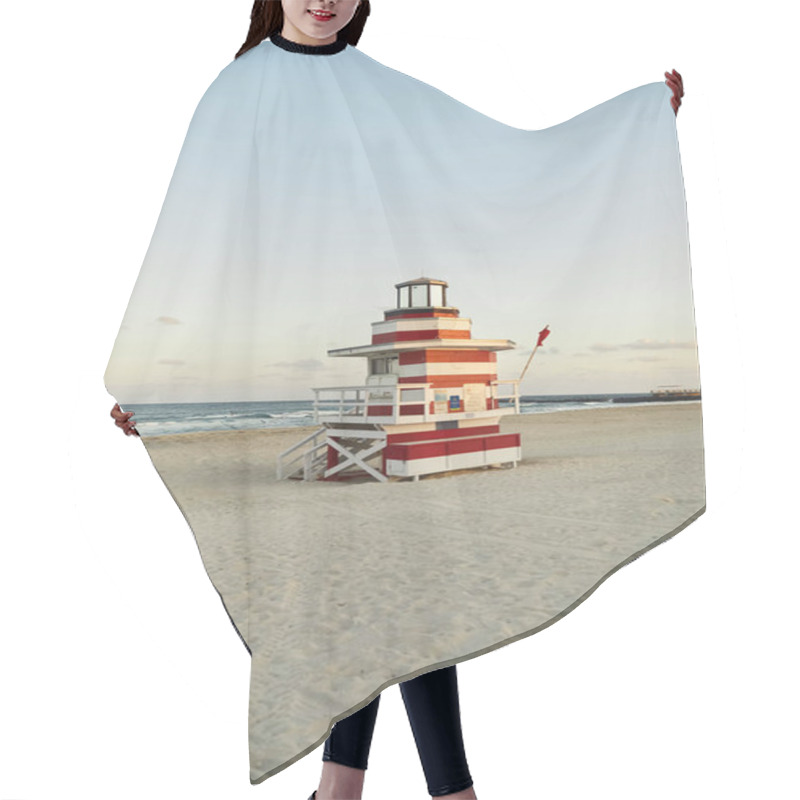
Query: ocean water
{"x":171,"y":418}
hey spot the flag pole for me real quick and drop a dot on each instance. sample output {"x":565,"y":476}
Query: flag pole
{"x":543,"y":334}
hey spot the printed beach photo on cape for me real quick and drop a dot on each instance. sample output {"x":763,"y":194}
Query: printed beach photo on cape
{"x":330,"y":355}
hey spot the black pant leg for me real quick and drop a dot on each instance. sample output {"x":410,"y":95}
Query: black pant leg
{"x":433,"y":711}
{"x":351,"y":737}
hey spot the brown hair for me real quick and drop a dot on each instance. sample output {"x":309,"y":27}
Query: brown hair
{"x":266,"y":18}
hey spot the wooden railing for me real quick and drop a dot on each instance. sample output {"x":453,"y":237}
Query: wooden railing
{"x":506,"y":401}
{"x":314,"y":445}
{"x":397,"y":403}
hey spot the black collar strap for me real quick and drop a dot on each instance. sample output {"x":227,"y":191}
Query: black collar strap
{"x":308,"y":49}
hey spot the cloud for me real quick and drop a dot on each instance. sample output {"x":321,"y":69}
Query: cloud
{"x":652,"y":344}
{"x":642,"y":344}
{"x":169,"y":321}
{"x":302,"y":365}
{"x":603,"y":348}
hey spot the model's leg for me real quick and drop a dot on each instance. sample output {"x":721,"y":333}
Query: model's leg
{"x":345,"y":755}
{"x":433,"y":711}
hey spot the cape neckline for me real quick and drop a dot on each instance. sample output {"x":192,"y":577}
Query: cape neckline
{"x":308,"y":49}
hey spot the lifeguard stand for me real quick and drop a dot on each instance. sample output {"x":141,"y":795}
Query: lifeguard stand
{"x":431,"y":402}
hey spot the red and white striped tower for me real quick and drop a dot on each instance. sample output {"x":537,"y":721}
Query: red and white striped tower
{"x":432,"y":400}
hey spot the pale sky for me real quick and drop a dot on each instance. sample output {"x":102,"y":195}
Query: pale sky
{"x":262,"y":263}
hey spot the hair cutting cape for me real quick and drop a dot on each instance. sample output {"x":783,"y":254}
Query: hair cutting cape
{"x":328,"y":351}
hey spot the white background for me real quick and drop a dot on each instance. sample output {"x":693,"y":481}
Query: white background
{"x":120,"y":674}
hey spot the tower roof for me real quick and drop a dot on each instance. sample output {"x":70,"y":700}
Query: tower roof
{"x":391,"y":348}
{"x":422,"y":279}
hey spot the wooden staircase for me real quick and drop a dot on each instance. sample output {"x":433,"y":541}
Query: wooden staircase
{"x":309,"y":459}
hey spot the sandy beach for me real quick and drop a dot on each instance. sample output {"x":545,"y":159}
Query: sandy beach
{"x":341,"y":589}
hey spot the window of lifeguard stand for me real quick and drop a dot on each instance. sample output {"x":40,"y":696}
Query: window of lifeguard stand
{"x":383,"y":366}
{"x":421,"y":295}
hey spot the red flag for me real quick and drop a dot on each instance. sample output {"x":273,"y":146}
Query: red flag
{"x":543,"y":334}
